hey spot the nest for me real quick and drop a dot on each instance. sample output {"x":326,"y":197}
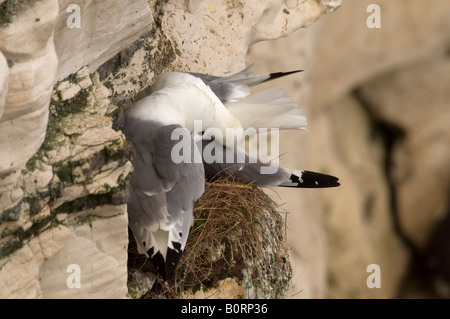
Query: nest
{"x":238,"y":232}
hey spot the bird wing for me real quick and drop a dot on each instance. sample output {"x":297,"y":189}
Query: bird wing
{"x":162,"y":191}
{"x":237,"y":86}
{"x":220,"y":160}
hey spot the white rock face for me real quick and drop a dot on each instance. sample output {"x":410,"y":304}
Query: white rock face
{"x":416,"y":99}
{"x":357,"y":217}
{"x":20,"y":272}
{"x":401,"y":71}
{"x":408,"y":32}
{"x":93,"y":247}
{"x":106,"y":28}
{"x":41,"y":269}
{"x":214,"y":36}
{"x":26,"y":87}
{"x":28,"y":43}
{"x":82,"y":161}
{"x":4,"y":73}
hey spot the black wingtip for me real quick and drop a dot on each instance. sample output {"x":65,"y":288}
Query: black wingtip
{"x":276,"y":75}
{"x":166,"y":267}
{"x":315,"y":180}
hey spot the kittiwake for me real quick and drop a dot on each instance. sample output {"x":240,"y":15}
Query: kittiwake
{"x":163,"y":189}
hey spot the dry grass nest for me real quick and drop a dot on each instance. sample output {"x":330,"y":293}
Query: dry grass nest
{"x":238,"y":232}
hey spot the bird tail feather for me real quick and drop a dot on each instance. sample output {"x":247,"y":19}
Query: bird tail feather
{"x":308,"y":179}
{"x":246,"y":78}
{"x":270,"y":108}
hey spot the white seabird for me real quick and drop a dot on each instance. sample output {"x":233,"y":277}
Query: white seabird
{"x":163,"y":191}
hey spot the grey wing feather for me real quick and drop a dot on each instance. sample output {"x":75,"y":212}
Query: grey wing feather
{"x":162,"y":192}
{"x":245,"y":73}
{"x":247,"y":169}
{"x":237,"y":86}
{"x":233,"y":87}
{"x":244,"y":168}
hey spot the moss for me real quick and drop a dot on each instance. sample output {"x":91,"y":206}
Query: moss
{"x":55,"y":191}
{"x":74,"y":105}
{"x":89,"y":218}
{"x":4,"y":175}
{"x":158,"y":8}
{"x":72,"y":78}
{"x":12,"y":213}
{"x":87,"y":202}
{"x":158,"y":52}
{"x":114,"y":73}
{"x":120,"y":61}
{"x":118,"y":151}
{"x":21,"y":236}
{"x":163,"y":56}
{"x":85,"y":219}
{"x":53,"y":131}
{"x":59,"y":109}
{"x":9,"y":247}
{"x":107,"y":187}
{"x":31,"y":164}
{"x":65,"y":171}
{"x":11,"y":8}
{"x":35,"y":204}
